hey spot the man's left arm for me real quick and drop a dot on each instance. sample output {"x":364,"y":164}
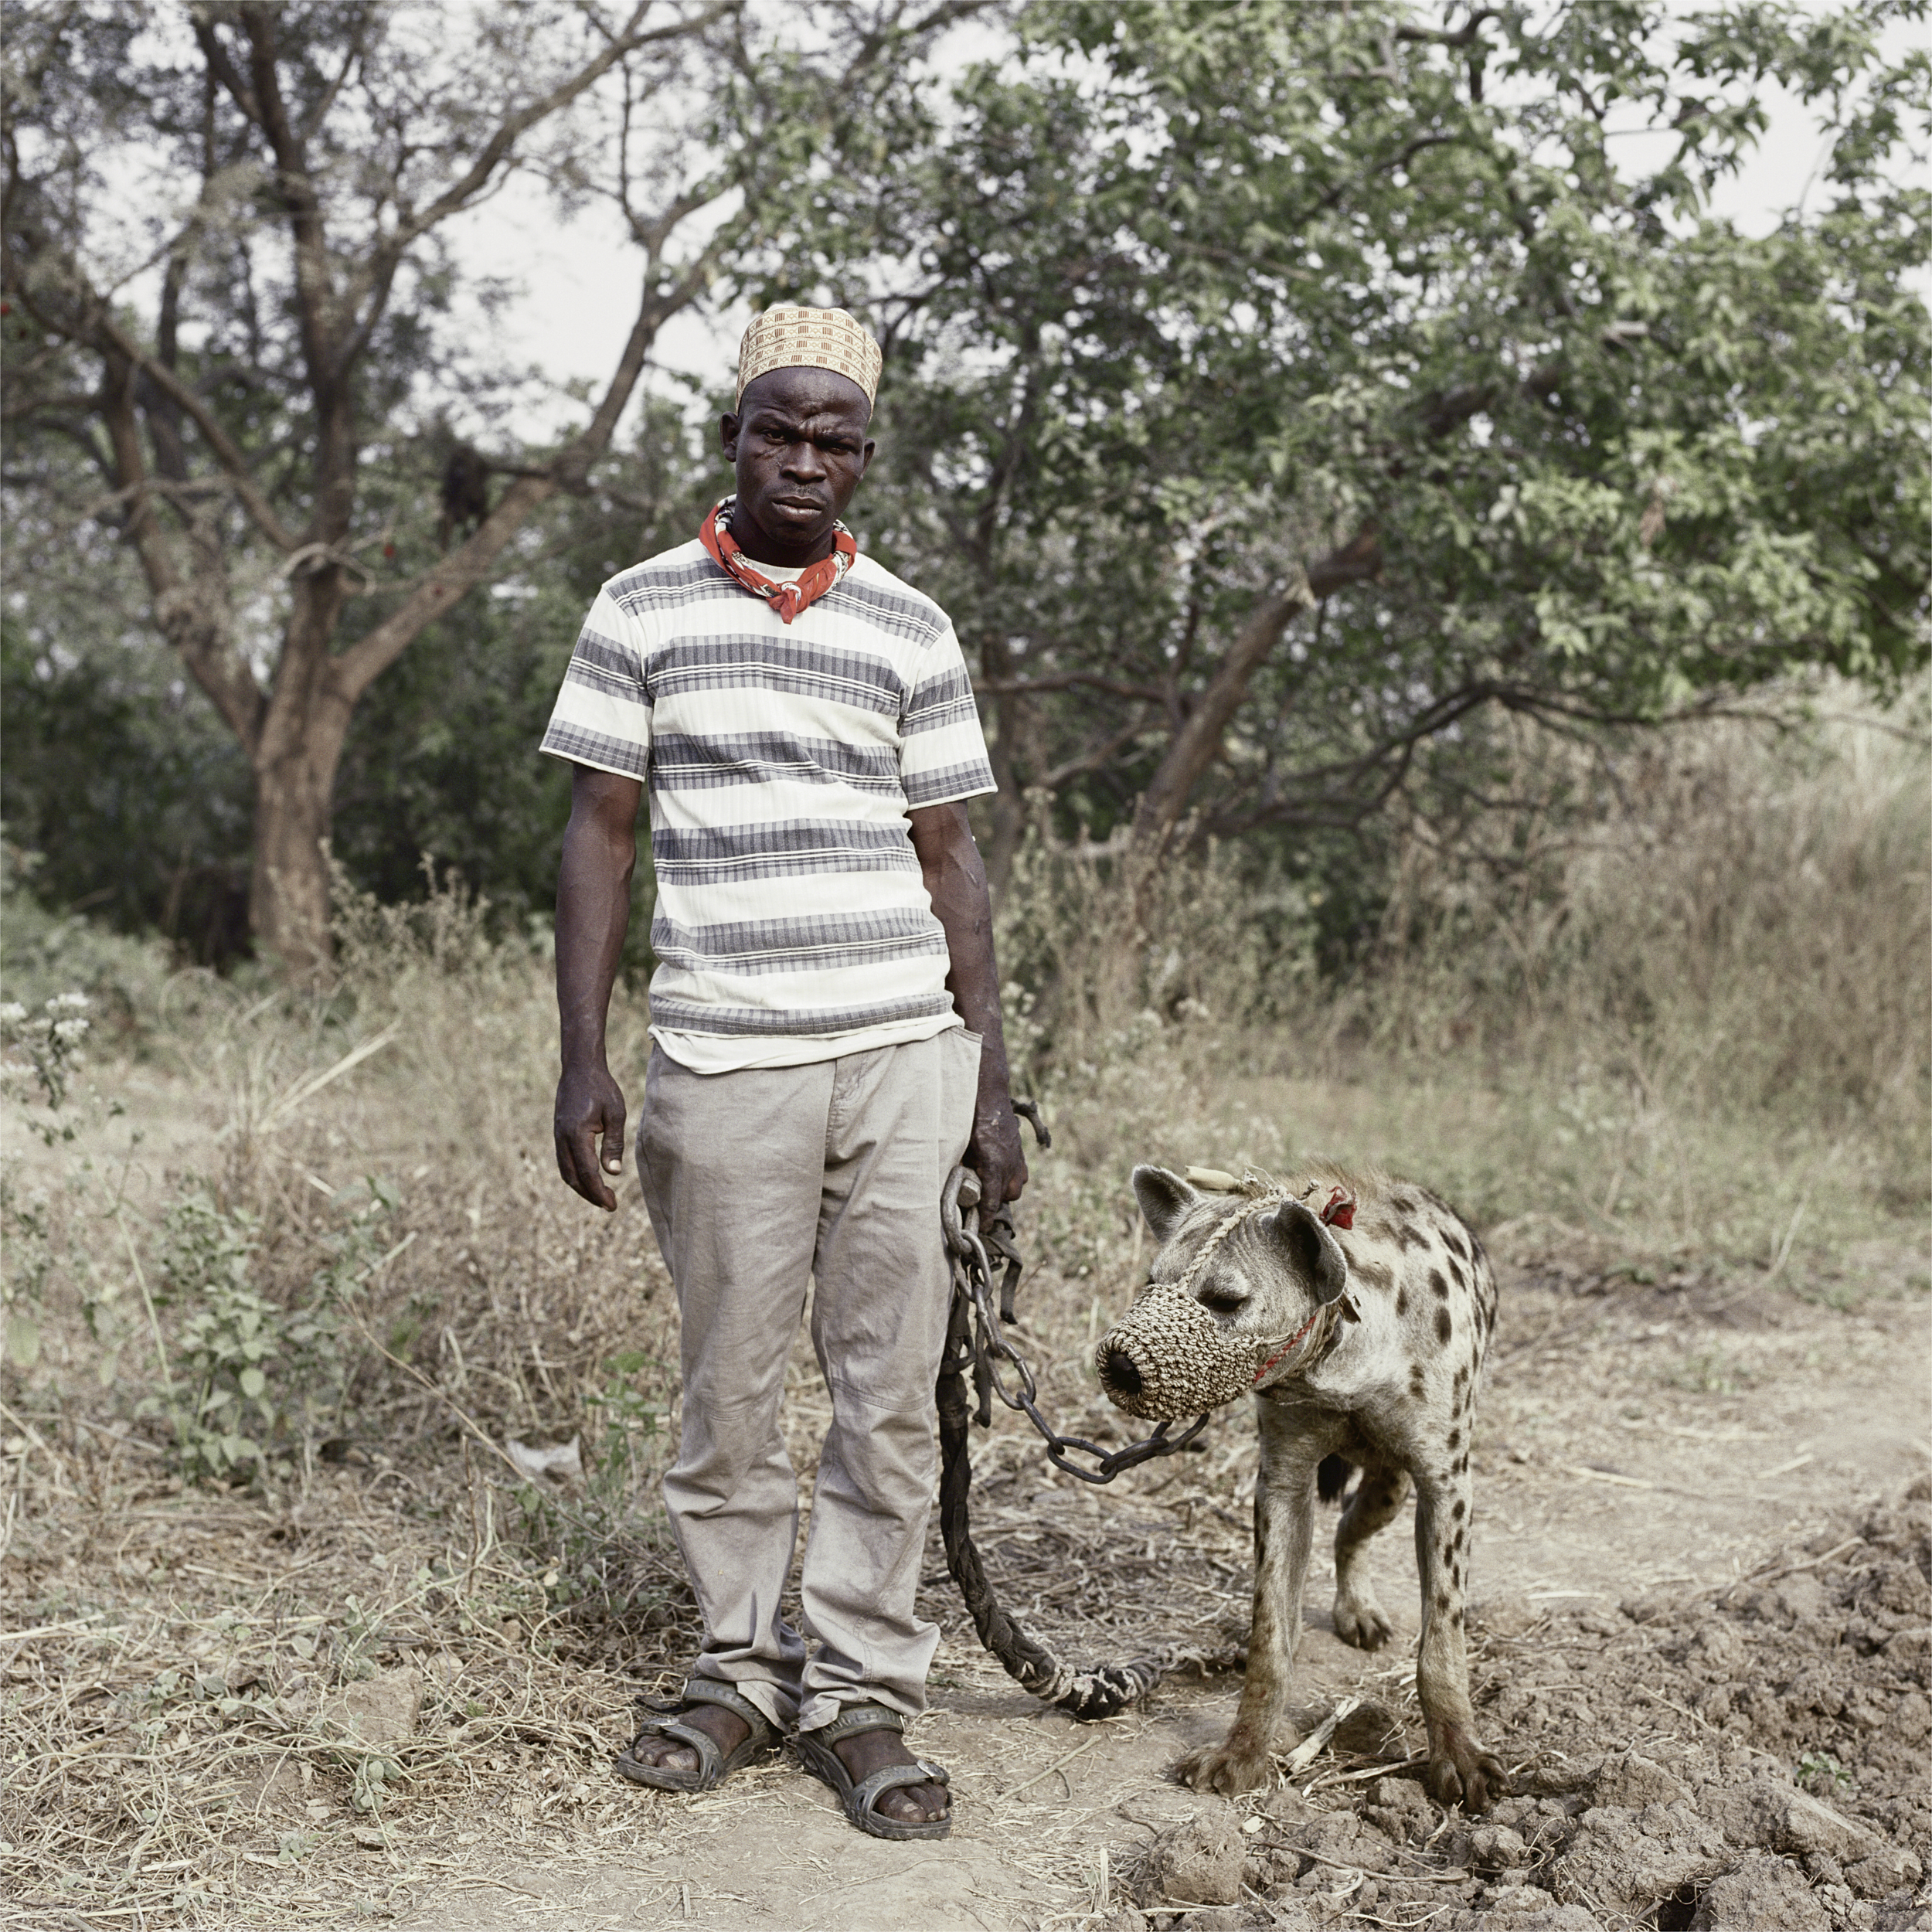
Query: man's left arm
{"x":956,"y":880}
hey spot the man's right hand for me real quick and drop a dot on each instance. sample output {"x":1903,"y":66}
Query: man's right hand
{"x":593,"y":910}
{"x":589,"y":1107}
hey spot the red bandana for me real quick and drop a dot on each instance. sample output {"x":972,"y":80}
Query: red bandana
{"x":787,"y":599}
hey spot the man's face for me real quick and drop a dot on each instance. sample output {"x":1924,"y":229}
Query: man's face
{"x":799,"y":444}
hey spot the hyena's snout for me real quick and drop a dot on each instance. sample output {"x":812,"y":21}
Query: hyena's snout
{"x":1167,"y":1357}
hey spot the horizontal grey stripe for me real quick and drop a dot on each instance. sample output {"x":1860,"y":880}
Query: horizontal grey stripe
{"x":894,"y":611}
{"x":939,"y":701}
{"x":604,"y":654}
{"x":748,"y":661}
{"x":781,"y":848}
{"x":688,"y":762}
{"x":673,"y":582}
{"x":786,"y":866}
{"x":964,"y":781}
{"x":661,"y":585}
{"x":588,"y":674}
{"x":940,"y":687}
{"x":594,"y":748}
{"x":938,"y":717}
{"x":757,"y":946}
{"x":685,"y":1016}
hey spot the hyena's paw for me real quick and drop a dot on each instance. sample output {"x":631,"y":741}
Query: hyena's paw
{"x":1360,"y":1621}
{"x":1228,"y":1768}
{"x":1461,"y":1772}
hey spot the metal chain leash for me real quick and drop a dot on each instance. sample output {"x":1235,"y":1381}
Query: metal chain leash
{"x":974,"y":1338}
{"x":973,"y":1342}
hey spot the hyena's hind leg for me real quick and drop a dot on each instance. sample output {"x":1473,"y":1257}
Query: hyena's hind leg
{"x":1459,"y":1770}
{"x":1358,"y":1616}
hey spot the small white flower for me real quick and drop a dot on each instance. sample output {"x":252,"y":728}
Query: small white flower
{"x":75,"y":1002}
{"x":13,"y":1013}
{"x":69,"y":1030}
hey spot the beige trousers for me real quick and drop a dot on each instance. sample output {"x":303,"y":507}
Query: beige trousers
{"x":755,"y":1181}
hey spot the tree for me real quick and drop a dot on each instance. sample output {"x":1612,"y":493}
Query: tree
{"x":1273,"y":389}
{"x":230,"y":287}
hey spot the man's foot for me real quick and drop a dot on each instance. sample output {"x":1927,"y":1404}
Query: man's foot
{"x":866,"y":1752}
{"x":667,"y":1754}
{"x":713,"y":1731}
{"x":882,"y":1787}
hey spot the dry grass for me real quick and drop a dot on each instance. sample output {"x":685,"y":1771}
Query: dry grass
{"x":1688,"y":1043}
{"x":1678,"y":1007}
{"x":182,"y":1726}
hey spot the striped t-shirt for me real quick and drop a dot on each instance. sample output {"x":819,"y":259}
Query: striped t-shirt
{"x":792,"y":921}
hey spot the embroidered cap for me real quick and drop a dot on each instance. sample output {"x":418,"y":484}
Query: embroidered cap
{"x":787,"y":338}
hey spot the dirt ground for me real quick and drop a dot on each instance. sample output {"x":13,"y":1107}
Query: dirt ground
{"x":1704,"y":1537}
{"x":1639,"y":1451}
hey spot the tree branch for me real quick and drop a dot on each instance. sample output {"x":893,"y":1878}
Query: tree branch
{"x":360,"y":665}
{"x":1451,"y":408}
{"x":458,"y":196}
{"x":1101,"y":753}
{"x":221,"y":445}
{"x":189,"y":610}
{"x":1462,"y":36}
{"x":1198,"y":743}
{"x":314,"y":292}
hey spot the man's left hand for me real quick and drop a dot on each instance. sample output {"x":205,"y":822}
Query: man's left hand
{"x":994,"y":1153}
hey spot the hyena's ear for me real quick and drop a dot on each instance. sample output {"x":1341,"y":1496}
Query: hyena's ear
{"x":1165,"y":1198}
{"x":1307,"y":1247}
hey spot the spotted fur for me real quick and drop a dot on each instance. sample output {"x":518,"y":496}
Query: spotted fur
{"x":1394,"y":1394}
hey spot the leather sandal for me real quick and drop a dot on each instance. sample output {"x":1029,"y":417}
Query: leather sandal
{"x":860,"y":1797}
{"x":714,"y":1764}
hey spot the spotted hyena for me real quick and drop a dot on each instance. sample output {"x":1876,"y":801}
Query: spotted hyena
{"x":1365,"y":1306}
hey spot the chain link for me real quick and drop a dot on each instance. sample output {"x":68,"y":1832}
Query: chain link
{"x":974,"y":1335}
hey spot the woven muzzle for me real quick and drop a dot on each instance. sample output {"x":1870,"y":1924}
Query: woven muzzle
{"x":1167,"y":1357}
{"x":1185,"y":1361}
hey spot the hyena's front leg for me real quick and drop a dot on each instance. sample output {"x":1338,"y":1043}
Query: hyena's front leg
{"x":1283,"y":1528}
{"x":1459,"y":1767}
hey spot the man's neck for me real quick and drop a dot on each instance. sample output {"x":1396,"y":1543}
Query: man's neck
{"x":761,"y":547}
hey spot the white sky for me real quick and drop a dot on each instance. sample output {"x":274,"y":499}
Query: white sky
{"x":579,"y":279}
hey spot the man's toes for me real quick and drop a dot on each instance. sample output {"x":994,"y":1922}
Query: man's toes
{"x":912,"y":1803}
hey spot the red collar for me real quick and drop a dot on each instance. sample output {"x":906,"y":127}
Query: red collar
{"x":1287,"y":1347}
{"x":787,"y":599}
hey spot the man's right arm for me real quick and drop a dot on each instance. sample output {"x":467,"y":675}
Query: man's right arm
{"x":593,"y":913}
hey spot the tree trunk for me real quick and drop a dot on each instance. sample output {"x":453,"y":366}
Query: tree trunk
{"x":294,"y":758}
{"x":1198,"y":743}
{"x":288,"y":882}
{"x":1005,"y":808}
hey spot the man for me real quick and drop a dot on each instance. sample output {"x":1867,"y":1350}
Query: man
{"x":826,"y":1046}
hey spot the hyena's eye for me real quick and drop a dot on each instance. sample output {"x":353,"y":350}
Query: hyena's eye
{"x":1222,"y":1300}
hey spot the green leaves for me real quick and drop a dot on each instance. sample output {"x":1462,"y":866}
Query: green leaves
{"x":1187,"y":296}
{"x":255,"y":1374}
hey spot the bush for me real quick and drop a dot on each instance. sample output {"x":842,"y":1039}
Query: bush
{"x":255,"y":1383}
